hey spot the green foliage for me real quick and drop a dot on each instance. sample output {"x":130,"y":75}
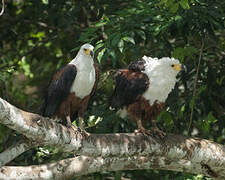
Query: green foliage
{"x":38,"y":37}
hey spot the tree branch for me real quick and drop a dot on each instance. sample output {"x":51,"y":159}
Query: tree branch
{"x":83,"y":165}
{"x":14,"y":151}
{"x":114,"y":151}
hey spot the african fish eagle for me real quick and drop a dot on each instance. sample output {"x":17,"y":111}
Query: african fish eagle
{"x":71,"y":88}
{"x":142,"y":89}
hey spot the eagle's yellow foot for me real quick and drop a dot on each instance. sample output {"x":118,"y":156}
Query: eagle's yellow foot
{"x":73,"y":127}
{"x":83,"y":132}
{"x":157,"y":132}
{"x":144,"y":131}
{"x":80,"y":129}
{"x":141,"y":129}
{"x":152,"y":132}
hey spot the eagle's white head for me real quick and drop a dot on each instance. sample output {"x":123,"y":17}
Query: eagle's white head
{"x":84,"y":56}
{"x":87,"y":50}
{"x":162,"y":76}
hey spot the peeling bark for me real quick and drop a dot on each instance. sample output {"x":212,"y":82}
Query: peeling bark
{"x":110,"y":152}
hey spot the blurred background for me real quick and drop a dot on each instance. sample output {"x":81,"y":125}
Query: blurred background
{"x":39,"y":36}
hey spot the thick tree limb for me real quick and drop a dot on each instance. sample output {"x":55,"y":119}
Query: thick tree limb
{"x":82,"y":165}
{"x":114,"y":151}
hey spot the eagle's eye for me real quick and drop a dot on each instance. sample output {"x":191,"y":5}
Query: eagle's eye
{"x":85,"y":49}
{"x":172,"y":65}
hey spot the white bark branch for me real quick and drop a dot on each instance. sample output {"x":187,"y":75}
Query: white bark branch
{"x":83,"y":165}
{"x":111,"y":151}
{"x":14,"y":151}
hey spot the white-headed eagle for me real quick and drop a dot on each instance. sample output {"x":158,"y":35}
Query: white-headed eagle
{"x":71,"y":88}
{"x":142,"y":89}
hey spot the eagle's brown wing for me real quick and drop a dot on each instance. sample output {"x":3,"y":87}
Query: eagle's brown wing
{"x":58,"y":90}
{"x":129,"y":85}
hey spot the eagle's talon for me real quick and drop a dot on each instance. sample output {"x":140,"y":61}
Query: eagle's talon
{"x":143,"y":131}
{"x":157,"y":132}
{"x":74,"y":128}
{"x":152,"y":132}
{"x":83,"y":132}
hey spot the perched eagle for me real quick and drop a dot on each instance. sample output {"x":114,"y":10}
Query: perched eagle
{"x":71,"y":88}
{"x":142,"y":89}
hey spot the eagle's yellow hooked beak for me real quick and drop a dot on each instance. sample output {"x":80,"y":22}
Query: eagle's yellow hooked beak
{"x":89,"y":52}
{"x":179,"y":67}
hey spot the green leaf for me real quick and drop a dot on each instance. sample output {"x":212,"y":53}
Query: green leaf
{"x":210,"y":118}
{"x":178,"y":53}
{"x":166,"y":117}
{"x":100,"y":24}
{"x":219,"y":81}
{"x":26,"y":67}
{"x":141,"y":34}
{"x":100,"y":54}
{"x":174,"y":8}
{"x":162,"y":2}
{"x":205,"y":127}
{"x":129,"y":39}
{"x":184,"y":4}
{"x":169,"y":3}
{"x":181,"y":112}
{"x":121,"y":45}
{"x":115,"y":40}
{"x":45,"y":1}
{"x":201,"y":89}
{"x":40,"y":35}
{"x":99,"y":44}
{"x":58,"y":53}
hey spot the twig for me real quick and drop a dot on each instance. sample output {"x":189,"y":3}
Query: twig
{"x":3,"y":8}
{"x":195,"y":85}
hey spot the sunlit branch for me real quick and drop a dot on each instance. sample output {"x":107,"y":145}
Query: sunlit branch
{"x":3,"y":8}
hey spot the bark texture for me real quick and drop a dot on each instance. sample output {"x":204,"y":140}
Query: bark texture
{"x":105,"y":152}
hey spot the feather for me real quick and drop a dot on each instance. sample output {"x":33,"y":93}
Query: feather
{"x":129,"y":86}
{"x":59,"y":89}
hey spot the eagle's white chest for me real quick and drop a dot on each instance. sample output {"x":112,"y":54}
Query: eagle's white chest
{"x":84,"y":80}
{"x":158,"y":90}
